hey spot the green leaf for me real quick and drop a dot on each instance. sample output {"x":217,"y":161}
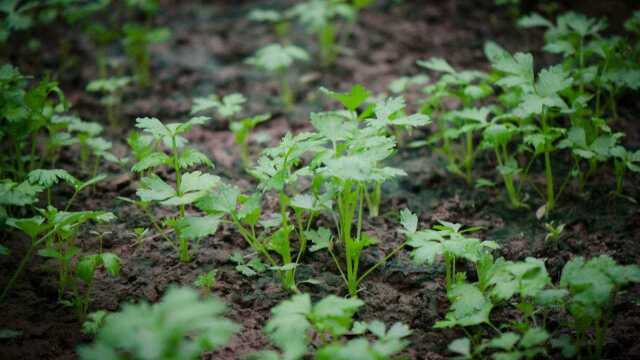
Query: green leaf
{"x":86,"y":267}
{"x":179,"y":323}
{"x":333,"y":125}
{"x":534,"y":337}
{"x":151,"y":161}
{"x":191,"y":157}
{"x":334,"y":314}
{"x":350,"y":100}
{"x":279,"y":241}
{"x":461,"y":346}
{"x":320,"y":238}
{"x":223,"y":199}
{"x":505,"y":341}
{"x":32,"y":226}
{"x":552,"y":80}
{"x":288,"y":326}
{"x":152,"y":188}
{"x":409,"y":221}
{"x":46,"y":178}
{"x":154,"y":127}
{"x":469,"y":307}
{"x":437,"y":64}
{"x":197,"y":227}
{"x":275,"y":57}
{"x":518,"y":70}
{"x":111,"y":263}
{"x":534,"y":20}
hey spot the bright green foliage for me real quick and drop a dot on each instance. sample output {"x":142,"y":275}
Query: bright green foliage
{"x":320,"y":18}
{"x":206,"y":280}
{"x":247,"y":268}
{"x":189,"y":186}
{"x":447,"y":240}
{"x":85,"y":271}
{"x":180,"y":326}
{"x":469,"y":306}
{"x":468,"y":88}
{"x":136,"y":43}
{"x":586,"y":293}
{"x":94,"y":322}
{"x":505,"y":346}
{"x":388,"y":342}
{"x":524,"y":278}
{"x":401,"y":84}
{"x":593,"y":285}
{"x":324,"y":19}
{"x":111,"y":90}
{"x":53,"y":235}
{"x":275,"y":59}
{"x":228,"y":108}
{"x":26,"y":112}
{"x":242,"y":129}
{"x":293,"y":321}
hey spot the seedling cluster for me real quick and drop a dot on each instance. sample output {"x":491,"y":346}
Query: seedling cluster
{"x":319,"y":193}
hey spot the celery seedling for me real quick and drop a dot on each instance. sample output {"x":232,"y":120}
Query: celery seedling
{"x":228,"y":107}
{"x":294,"y":320}
{"x":319,"y":17}
{"x":136,"y":42}
{"x":180,"y":326}
{"x":189,"y":187}
{"x":279,"y":20}
{"x":111,"y":89}
{"x":275,"y":59}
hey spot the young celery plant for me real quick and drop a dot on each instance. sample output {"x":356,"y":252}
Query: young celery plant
{"x":85,"y":272}
{"x":331,"y":318}
{"x":277,"y":171}
{"x":349,"y":168}
{"x":189,"y":186}
{"x":53,"y":235}
{"x":228,"y":107}
{"x":450,"y":241}
{"x":111,"y":90}
{"x":593,"y":286}
{"x":497,"y":135}
{"x":27,"y":110}
{"x":539,"y":100}
{"x":467,"y":87}
{"x":320,"y":18}
{"x":183,"y":325}
{"x":624,"y":160}
{"x":276,"y":59}
{"x":242,"y":130}
{"x":280,"y":21}
{"x":385,"y":117}
{"x":137,"y":40}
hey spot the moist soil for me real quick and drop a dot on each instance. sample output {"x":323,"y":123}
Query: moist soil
{"x":210,"y":41}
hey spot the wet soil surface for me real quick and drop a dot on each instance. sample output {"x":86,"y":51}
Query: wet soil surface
{"x":209,"y":43}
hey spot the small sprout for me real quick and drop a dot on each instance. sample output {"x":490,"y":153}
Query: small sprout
{"x":276,"y":59}
{"x":94,"y":322}
{"x":206,"y":281}
{"x":111,"y":90}
{"x":554,"y":232}
{"x":251,"y":268}
{"x":139,"y":234}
